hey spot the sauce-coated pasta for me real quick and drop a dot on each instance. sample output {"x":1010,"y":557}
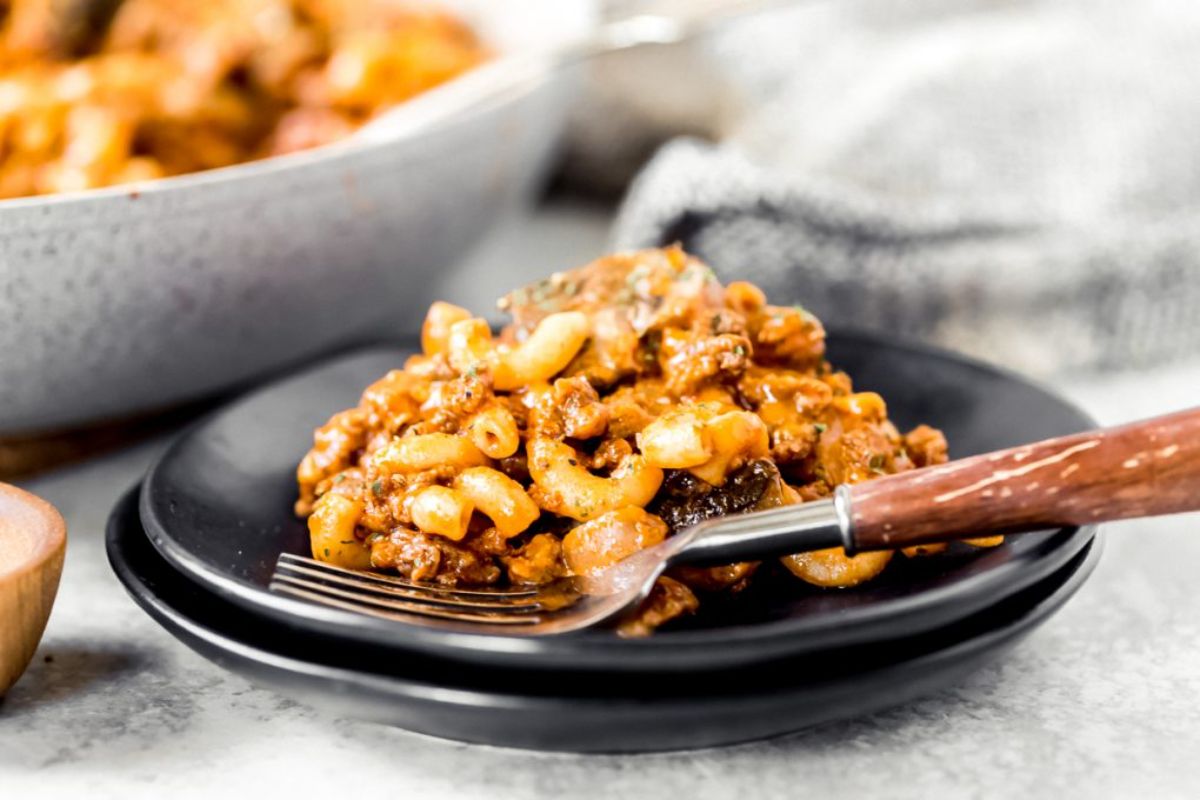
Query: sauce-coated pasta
{"x":627,"y":400}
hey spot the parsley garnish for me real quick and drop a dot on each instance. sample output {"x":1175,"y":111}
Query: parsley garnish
{"x":821,"y":427}
{"x":377,"y":488}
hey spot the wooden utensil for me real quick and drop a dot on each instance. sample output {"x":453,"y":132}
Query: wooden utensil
{"x":1143,"y":469}
{"x":33,"y":539}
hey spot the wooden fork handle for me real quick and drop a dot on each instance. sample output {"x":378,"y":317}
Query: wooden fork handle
{"x":1142,"y":469}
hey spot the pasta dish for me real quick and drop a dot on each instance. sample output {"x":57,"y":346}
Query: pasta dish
{"x":627,"y":400}
{"x":102,"y":92}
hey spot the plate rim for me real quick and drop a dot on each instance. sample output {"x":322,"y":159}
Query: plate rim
{"x":666,"y":651}
{"x":219,"y":646}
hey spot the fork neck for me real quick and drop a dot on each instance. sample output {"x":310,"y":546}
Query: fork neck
{"x":763,"y":534}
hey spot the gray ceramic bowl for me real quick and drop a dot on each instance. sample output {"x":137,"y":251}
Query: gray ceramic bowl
{"x":123,"y":300}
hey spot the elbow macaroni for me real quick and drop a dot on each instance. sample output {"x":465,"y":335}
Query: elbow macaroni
{"x":499,"y":497}
{"x":442,"y":511}
{"x":332,"y":528}
{"x":429,"y":451}
{"x":435,"y":332}
{"x":565,"y":487}
{"x":610,"y":537}
{"x":676,"y":440}
{"x":549,"y":349}
{"x":704,"y":440}
{"x":554,"y":342}
{"x":494,"y":432}
{"x":469,"y":344}
{"x":737,"y":436}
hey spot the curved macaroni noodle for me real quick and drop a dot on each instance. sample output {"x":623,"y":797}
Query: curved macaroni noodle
{"x":435,"y":331}
{"x":502,"y":499}
{"x":735,"y":435}
{"x":833,"y":568}
{"x":331,"y":529}
{"x":428,"y":451}
{"x":494,"y":432}
{"x":610,"y":537}
{"x":469,"y":344}
{"x":554,"y":342}
{"x":676,"y":440}
{"x":565,"y":487}
{"x":443,"y":511}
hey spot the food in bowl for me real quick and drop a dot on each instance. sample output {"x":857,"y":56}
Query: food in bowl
{"x":628,"y":399}
{"x":101,"y":92}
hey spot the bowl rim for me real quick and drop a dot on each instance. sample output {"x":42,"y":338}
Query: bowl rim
{"x":31,"y":512}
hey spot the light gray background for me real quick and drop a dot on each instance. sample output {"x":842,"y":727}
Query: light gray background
{"x":1103,"y":701}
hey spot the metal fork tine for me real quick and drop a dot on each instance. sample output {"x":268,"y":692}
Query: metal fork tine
{"x":304,"y":575}
{"x":565,"y":604}
{"x":393,"y":609}
{"x":290,"y":560}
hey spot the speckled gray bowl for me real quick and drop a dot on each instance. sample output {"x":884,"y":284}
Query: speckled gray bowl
{"x":118,"y":301}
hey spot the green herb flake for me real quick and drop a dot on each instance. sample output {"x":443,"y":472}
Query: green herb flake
{"x":821,"y":427}
{"x":377,"y":488}
{"x":739,"y":350}
{"x":327,"y":552}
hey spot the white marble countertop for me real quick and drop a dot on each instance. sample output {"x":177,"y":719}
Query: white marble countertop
{"x":1102,"y":701}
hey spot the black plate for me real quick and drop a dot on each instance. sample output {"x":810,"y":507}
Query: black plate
{"x":218,"y":504}
{"x":560,"y":711}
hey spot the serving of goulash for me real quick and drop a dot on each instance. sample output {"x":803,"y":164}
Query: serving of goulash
{"x":627,"y":400}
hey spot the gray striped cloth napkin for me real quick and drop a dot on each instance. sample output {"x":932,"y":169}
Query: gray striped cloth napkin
{"x":1019,"y":180}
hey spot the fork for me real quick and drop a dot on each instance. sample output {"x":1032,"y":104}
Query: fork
{"x":1146,"y":468}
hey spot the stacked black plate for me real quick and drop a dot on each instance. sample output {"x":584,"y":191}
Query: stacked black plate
{"x":196,"y":545}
